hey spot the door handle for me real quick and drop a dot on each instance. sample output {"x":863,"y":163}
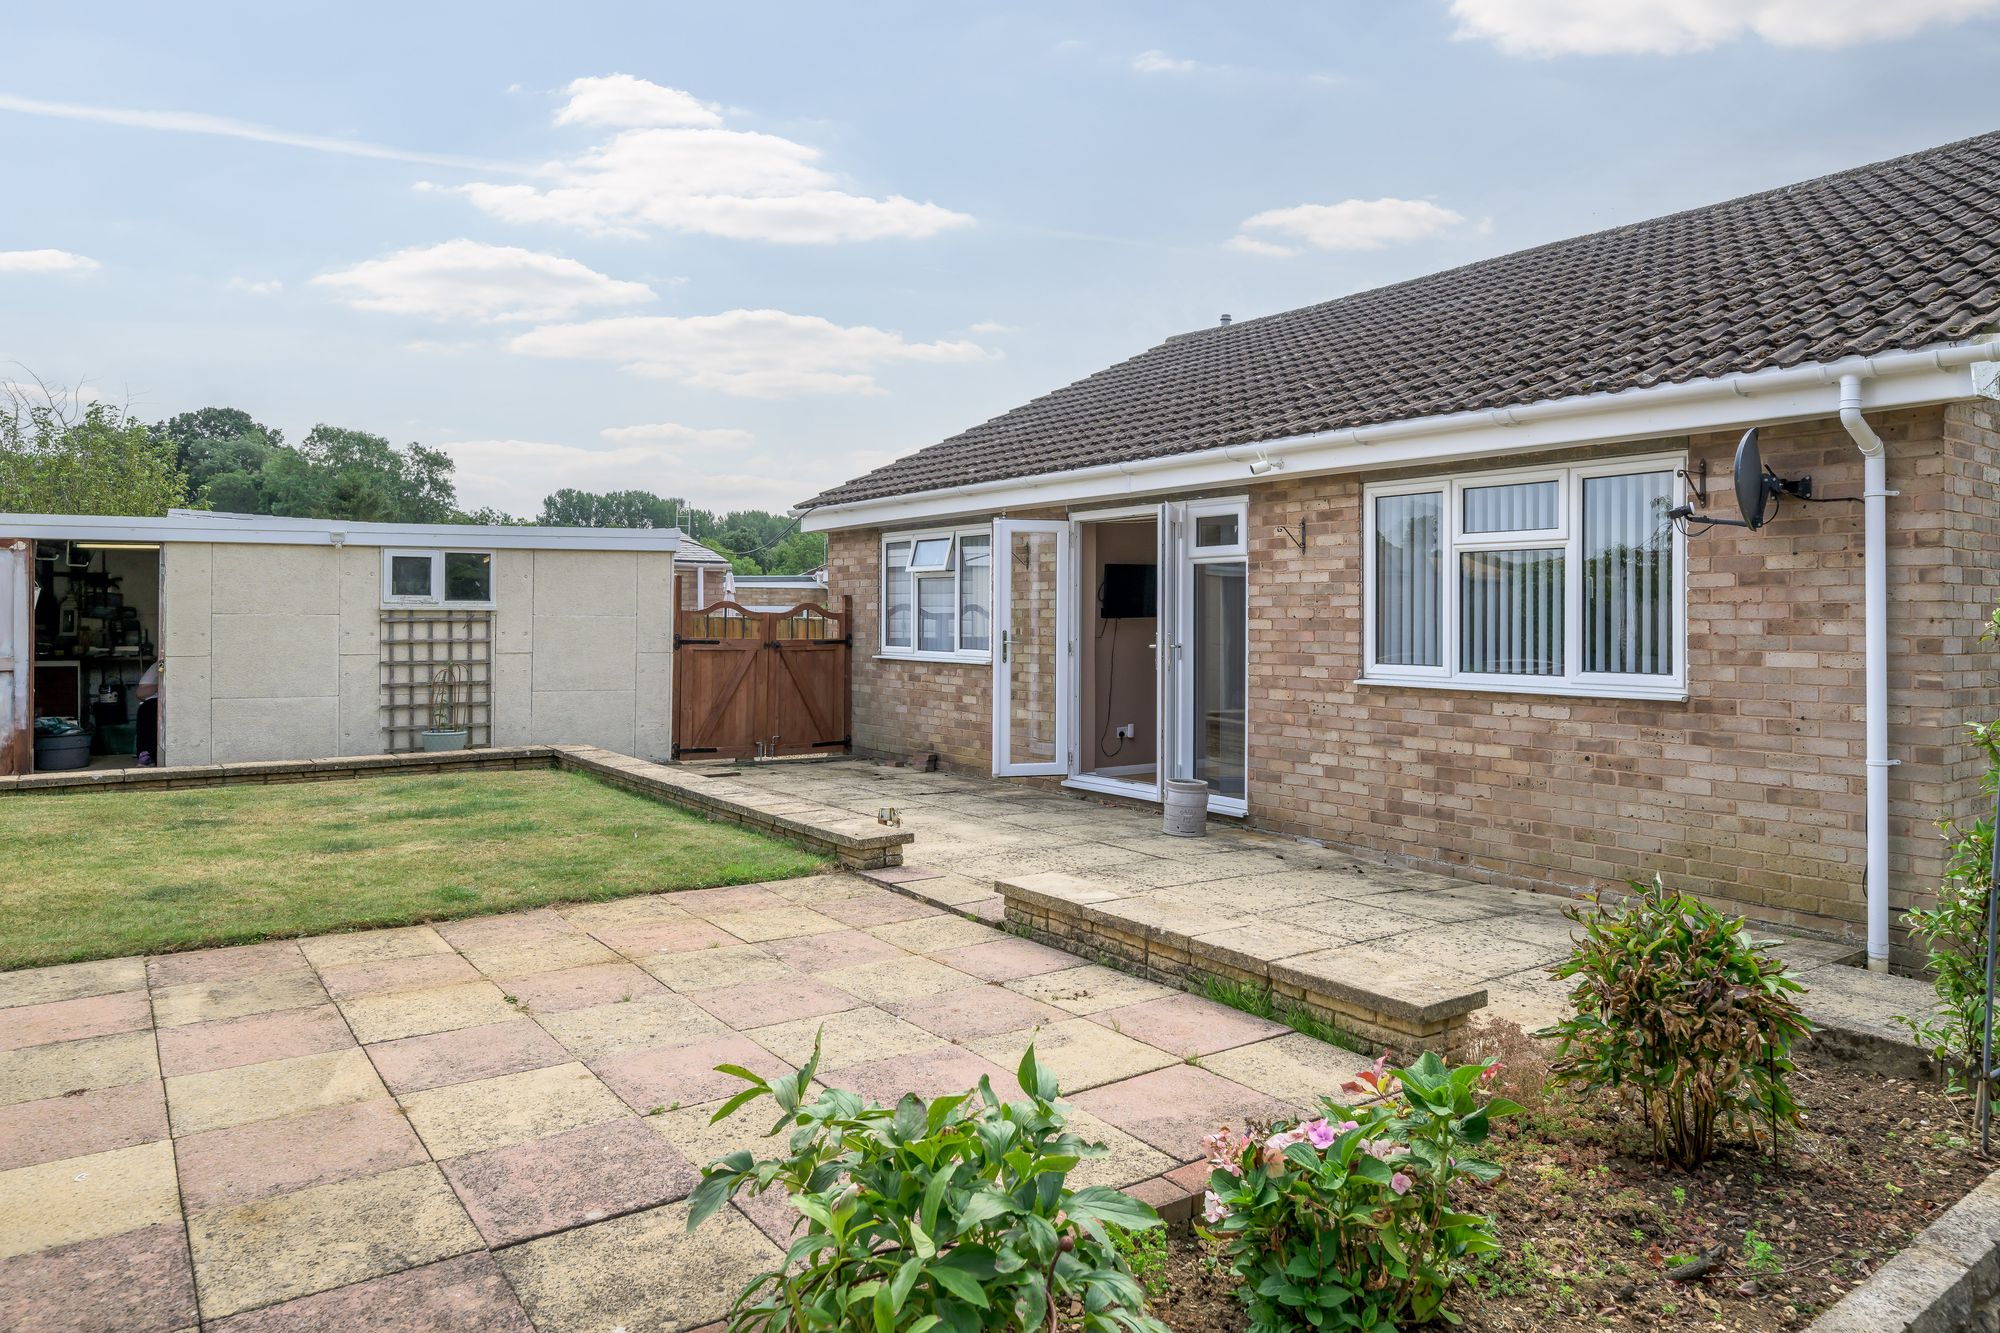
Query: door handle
{"x":1003,"y":647}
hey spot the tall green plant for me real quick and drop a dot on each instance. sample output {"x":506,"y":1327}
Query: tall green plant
{"x":1680,"y":1009}
{"x":954,"y":1214}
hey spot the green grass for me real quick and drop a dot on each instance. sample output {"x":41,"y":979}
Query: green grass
{"x":1259,"y":1001}
{"x":106,"y":873}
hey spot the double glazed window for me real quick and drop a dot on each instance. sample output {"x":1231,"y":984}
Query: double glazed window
{"x":937,"y":593}
{"x":1560,"y":580}
{"x":437,"y":578}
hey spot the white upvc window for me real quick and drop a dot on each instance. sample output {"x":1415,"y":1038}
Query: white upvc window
{"x":937,"y":594}
{"x":1553,"y":580}
{"x":461,"y":579}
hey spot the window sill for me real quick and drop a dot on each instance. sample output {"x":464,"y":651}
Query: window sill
{"x":960,"y":659}
{"x":1554,"y":689}
{"x":440,"y":606}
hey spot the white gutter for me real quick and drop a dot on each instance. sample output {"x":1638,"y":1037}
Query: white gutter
{"x":1875,"y":712}
{"x":1900,"y":379}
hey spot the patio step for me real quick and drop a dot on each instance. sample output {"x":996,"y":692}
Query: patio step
{"x":1384,"y":1004}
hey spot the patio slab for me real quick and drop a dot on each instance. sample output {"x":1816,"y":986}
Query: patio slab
{"x":71,"y":981}
{"x":85,"y":1122}
{"x":87,"y":1198}
{"x":135,"y":1282}
{"x":413,"y":1064}
{"x":227,"y":1042}
{"x":606,"y":1030}
{"x":468,"y":1294}
{"x":418,"y":1012}
{"x":977,"y":1011}
{"x":69,"y":1020}
{"x":243,"y":1093}
{"x":35,"y":1072}
{"x":568,"y":1179}
{"x":495,"y":1112}
{"x":671,"y":1076}
{"x":220,"y":1168}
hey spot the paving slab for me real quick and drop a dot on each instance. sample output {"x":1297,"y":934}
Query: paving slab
{"x":729,"y":898}
{"x":1188,"y":1025}
{"x":325,"y":1237}
{"x":701,"y":1142}
{"x":691,"y":970}
{"x":907,"y":978}
{"x":221,"y":1168}
{"x":568,"y":1179}
{"x":415,"y":1013}
{"x":67,"y":1020}
{"x":671,"y":1076}
{"x":1126,"y":1160}
{"x":849,"y":1038}
{"x":1296,"y":1069}
{"x":1082,"y":1054}
{"x":934,"y":933}
{"x":389,"y":975}
{"x":976,"y":1011}
{"x":197,"y":1048}
{"x":135,"y":1282}
{"x":236,"y":962}
{"x":94,"y":1121}
{"x":841,"y":948}
{"x":937,"y":1072}
{"x":1088,"y":989}
{"x":642,"y":1271}
{"x":758,"y":1004}
{"x":642,"y":909}
{"x":1005,"y":959}
{"x":372,"y":946}
{"x":512,"y":1108}
{"x":505,"y":960}
{"x":877,"y":909}
{"x":783,"y":922}
{"x":605,"y":1030}
{"x":86,"y":1198}
{"x":1174,"y":1108}
{"x":35,"y":1072}
{"x":674,"y":935}
{"x":583,"y":988}
{"x":71,"y":981}
{"x":412,"y":1064}
{"x":468,"y":1294}
{"x":206,"y":1001}
{"x":243,"y":1093}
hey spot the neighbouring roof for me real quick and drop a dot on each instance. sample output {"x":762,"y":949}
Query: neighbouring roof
{"x":203,"y":525}
{"x":693,"y":552}
{"x":1897,"y":255}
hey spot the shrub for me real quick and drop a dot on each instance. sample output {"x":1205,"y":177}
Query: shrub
{"x":1345,"y":1221}
{"x":1681,"y":1010}
{"x":1954,"y":932}
{"x":953,"y":1214}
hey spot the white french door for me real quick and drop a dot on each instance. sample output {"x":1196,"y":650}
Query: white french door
{"x":1034,"y":664}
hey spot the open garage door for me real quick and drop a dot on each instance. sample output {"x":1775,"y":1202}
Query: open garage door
{"x":17,"y":654}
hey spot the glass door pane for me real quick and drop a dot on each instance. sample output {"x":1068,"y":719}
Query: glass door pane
{"x":1220,"y":596}
{"x":1030,"y":719}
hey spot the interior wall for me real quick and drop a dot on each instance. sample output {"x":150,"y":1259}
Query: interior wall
{"x":1125,"y":677}
{"x":138,"y":573}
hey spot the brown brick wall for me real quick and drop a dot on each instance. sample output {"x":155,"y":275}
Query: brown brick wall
{"x":1751,"y":791}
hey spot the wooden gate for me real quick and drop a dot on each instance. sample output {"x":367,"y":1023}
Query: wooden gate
{"x":750,"y":683}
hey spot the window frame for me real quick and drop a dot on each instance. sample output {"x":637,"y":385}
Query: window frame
{"x":435,"y":597}
{"x":952,"y":572}
{"x":1568,"y":536}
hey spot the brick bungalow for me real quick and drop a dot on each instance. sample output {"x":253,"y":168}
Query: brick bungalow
{"x":1404,"y":571}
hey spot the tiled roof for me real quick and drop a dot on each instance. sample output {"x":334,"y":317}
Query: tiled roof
{"x":1896,"y":255}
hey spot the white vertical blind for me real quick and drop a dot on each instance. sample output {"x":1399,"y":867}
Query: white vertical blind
{"x":975,"y":593}
{"x":896,"y":596}
{"x":1510,"y":612}
{"x":1526,"y":506}
{"x":1408,"y":578}
{"x":935,"y":613}
{"x":1628,"y":574}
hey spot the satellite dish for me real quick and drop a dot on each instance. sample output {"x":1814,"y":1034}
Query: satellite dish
{"x":1752,"y":491}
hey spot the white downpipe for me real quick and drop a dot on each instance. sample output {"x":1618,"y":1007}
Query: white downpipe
{"x":1875,"y":609}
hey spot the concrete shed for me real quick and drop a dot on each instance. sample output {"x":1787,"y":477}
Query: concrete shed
{"x":274,"y":638}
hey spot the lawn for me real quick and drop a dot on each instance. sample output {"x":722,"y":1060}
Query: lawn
{"x":103,"y":874}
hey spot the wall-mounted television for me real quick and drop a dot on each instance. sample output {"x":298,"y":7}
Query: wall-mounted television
{"x":1129,"y":592}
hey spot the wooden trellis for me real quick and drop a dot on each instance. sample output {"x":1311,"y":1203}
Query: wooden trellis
{"x":415,"y":644}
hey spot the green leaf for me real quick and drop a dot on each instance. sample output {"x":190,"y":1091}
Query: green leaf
{"x":1036,"y":1081}
{"x":736,"y":1103}
{"x":1113,"y":1206}
{"x":710,"y":1195}
{"x":960,"y":1284}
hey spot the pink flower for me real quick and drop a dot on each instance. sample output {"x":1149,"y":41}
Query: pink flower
{"x":1321,"y":1135}
{"x":1400,"y":1183}
{"x":1212,"y":1210}
{"x":1274,"y":1147}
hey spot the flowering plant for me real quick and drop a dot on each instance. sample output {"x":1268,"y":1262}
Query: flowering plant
{"x":1345,"y":1221}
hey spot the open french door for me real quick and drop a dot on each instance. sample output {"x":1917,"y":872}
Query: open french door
{"x":1034,"y":656}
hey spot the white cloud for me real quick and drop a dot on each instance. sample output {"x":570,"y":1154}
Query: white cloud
{"x":749,"y":353}
{"x":1159,"y":62}
{"x":250,"y":287}
{"x":672,"y":432}
{"x":195,"y":122}
{"x":623,"y":101}
{"x":1676,"y":27}
{"x":472,"y":280}
{"x":1351,"y":224}
{"x":45,"y":261}
{"x":993,"y":326}
{"x":515,"y":475}
{"x":663,"y":170}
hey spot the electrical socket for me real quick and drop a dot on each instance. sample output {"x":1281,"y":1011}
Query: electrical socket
{"x":1127,"y":730}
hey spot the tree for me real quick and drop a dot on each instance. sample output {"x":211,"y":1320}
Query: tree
{"x":571,"y":508}
{"x":57,"y":459}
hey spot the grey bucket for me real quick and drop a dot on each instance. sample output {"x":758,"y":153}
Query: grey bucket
{"x":1186,"y":808}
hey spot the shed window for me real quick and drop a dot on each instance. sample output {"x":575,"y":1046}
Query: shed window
{"x":437,"y":578}
{"x":937,"y":594}
{"x":1564,"y":580}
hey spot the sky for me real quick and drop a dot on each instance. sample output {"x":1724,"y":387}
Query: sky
{"x":742,"y":252}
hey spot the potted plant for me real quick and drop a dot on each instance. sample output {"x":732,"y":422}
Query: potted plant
{"x":445,"y":732}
